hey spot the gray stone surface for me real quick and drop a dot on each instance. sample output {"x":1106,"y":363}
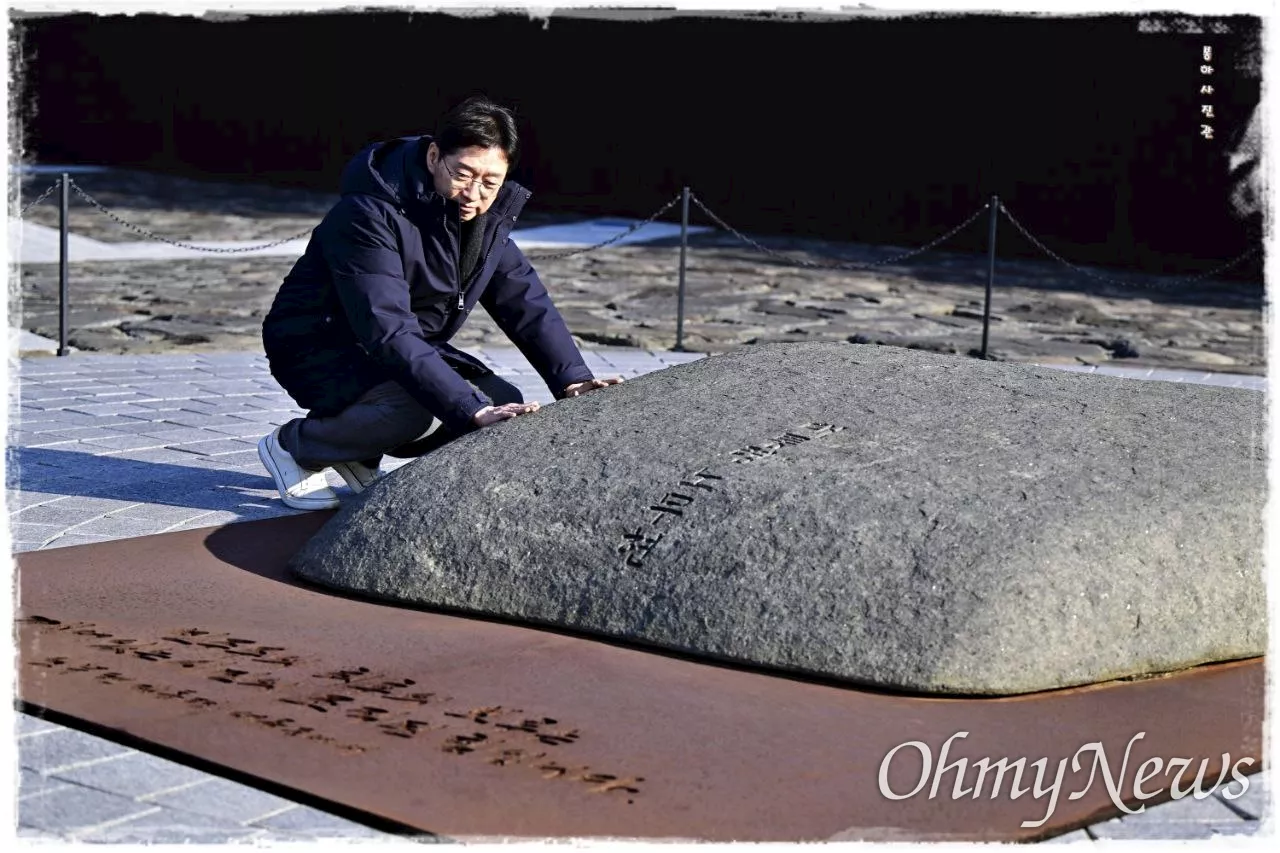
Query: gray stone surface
{"x":222,"y":798}
{"x":135,"y":774}
{"x":64,"y":749}
{"x":959,"y":527}
{"x":77,"y":809}
{"x":310,"y":822}
{"x":173,"y":826}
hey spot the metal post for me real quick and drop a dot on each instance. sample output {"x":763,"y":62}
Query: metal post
{"x":991,"y":270}
{"x":62,"y":263}
{"x":684,"y":243}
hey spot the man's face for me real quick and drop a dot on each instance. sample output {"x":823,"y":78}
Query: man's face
{"x":469,"y":176}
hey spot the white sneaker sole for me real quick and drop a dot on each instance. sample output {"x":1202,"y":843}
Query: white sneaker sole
{"x":287,"y":499}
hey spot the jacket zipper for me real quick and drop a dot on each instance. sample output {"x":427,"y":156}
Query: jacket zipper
{"x":457,"y":255}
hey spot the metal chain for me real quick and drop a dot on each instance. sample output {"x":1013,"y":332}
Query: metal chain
{"x":43,"y":196}
{"x":1177,"y":282}
{"x":712,"y":215}
{"x":555,"y":256}
{"x":151,"y":235}
{"x":1236,"y":261}
{"x":840,"y":266}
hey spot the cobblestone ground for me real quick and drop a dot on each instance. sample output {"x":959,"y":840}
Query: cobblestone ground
{"x":627,"y":296}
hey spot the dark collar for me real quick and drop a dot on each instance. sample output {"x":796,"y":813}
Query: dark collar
{"x":418,"y":181}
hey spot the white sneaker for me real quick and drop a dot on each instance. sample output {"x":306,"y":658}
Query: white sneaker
{"x":299,"y":487}
{"x":357,"y":475}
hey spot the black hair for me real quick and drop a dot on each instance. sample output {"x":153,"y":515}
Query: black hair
{"x":477,"y":121}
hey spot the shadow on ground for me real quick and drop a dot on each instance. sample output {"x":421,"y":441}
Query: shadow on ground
{"x":67,"y":472}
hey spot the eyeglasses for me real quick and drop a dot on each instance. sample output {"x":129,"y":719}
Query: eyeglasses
{"x":464,"y":181}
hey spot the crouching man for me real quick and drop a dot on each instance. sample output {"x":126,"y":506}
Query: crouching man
{"x":358,"y":333}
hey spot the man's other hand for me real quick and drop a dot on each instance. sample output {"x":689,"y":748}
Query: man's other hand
{"x":577,"y":389}
{"x":493,"y":414}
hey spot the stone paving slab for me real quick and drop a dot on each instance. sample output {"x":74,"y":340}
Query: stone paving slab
{"x":78,"y":809}
{"x":133,"y":774}
{"x":32,"y":784}
{"x":97,"y":482}
{"x":301,"y":820}
{"x":63,"y":749}
{"x":170,"y":826}
{"x":223,"y":799}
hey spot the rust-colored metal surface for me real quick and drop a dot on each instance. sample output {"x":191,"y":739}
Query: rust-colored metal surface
{"x":201,"y":642}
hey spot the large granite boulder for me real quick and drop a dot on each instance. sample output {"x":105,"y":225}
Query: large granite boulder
{"x":891,"y":517}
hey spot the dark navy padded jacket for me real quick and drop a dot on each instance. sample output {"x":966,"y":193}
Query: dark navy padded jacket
{"x":377,"y":296}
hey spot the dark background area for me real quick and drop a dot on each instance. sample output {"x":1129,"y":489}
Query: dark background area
{"x":880,"y":130}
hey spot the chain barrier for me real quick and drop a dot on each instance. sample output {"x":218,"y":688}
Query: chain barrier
{"x":841,"y":266}
{"x":42,"y":197}
{"x":555,"y":256}
{"x":151,"y":235}
{"x":1177,"y":282}
{"x":550,"y":256}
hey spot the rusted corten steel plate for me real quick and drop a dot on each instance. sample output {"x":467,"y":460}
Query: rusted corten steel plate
{"x":202,"y":643}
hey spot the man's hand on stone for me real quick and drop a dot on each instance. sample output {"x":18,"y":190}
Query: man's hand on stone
{"x":577,"y":389}
{"x":493,"y":414}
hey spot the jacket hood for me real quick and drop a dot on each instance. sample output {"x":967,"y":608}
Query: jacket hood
{"x":395,"y":171}
{"x":392,"y":171}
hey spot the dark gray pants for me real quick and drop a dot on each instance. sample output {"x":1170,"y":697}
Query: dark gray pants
{"x":385,"y":420}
